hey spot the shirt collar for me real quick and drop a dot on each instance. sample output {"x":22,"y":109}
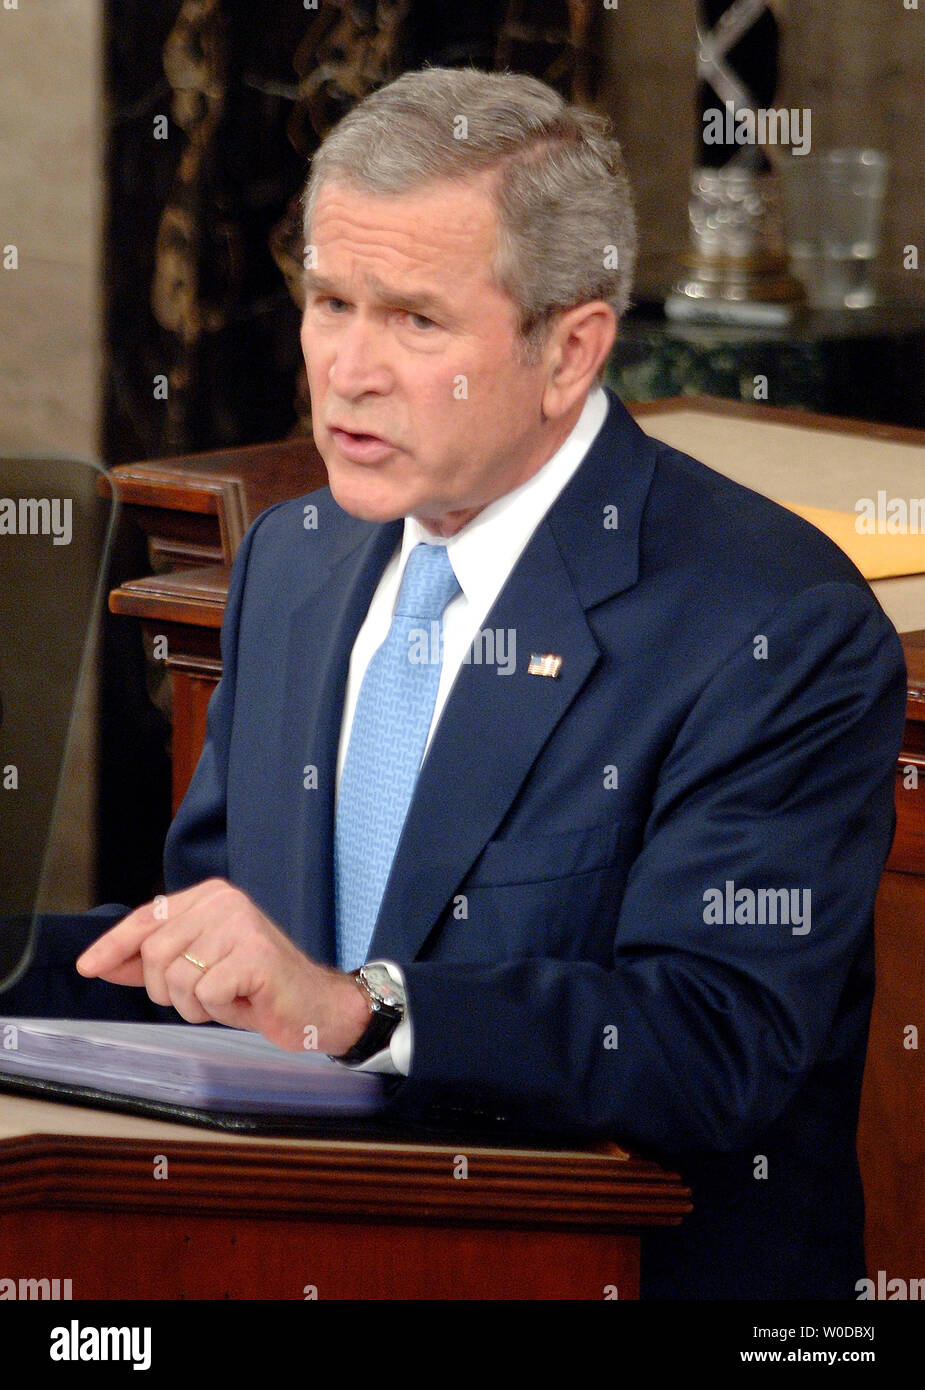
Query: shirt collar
{"x":485,"y":550}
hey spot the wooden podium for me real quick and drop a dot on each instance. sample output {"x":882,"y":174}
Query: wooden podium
{"x":130,"y":1208}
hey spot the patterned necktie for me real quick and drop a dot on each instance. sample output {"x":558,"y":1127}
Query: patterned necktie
{"x":390,"y":727}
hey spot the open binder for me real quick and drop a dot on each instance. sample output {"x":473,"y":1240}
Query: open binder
{"x":221,"y":1077}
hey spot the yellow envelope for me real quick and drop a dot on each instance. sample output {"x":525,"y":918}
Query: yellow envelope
{"x":877,"y":556}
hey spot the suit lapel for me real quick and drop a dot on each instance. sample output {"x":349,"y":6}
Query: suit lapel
{"x":493,"y":726}
{"x":322,"y":631}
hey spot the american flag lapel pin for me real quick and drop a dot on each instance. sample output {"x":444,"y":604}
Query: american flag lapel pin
{"x":545,"y":664}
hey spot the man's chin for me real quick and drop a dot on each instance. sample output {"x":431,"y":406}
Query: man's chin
{"x":366,"y":503}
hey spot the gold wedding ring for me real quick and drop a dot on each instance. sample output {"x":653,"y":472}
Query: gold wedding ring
{"x":193,"y":961}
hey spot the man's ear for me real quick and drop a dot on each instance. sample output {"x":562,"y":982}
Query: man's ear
{"x":578,"y":344}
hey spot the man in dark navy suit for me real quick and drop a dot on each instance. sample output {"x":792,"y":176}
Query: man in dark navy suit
{"x":550,"y":771}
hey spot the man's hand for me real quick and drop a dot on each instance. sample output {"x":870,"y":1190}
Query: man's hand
{"x":250,"y":975}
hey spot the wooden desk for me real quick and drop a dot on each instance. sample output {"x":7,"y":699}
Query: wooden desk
{"x":265,"y":1219}
{"x":195,"y":510}
{"x":891,"y":1134}
{"x":186,"y":607}
{"x":194,"y":513}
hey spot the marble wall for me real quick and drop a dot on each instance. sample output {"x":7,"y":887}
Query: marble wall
{"x":860,"y":68}
{"x":647,"y":84}
{"x":51,"y":153}
{"x":50,"y":207}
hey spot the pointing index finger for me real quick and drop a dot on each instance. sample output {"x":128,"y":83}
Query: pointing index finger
{"x":120,"y":944}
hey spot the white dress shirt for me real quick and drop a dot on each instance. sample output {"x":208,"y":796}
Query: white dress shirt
{"x":483,"y":554}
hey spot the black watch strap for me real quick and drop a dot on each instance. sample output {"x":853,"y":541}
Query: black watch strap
{"x":382,"y":1024}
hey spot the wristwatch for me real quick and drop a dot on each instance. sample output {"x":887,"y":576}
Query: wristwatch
{"x":386,"y":999}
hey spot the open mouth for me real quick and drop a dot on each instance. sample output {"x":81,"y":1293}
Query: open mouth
{"x":361,"y":446}
{"x":354,"y":434}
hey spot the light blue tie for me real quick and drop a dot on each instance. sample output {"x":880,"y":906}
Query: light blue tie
{"x":390,"y":726}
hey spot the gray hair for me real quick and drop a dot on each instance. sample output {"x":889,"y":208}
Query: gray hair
{"x":567,"y":232}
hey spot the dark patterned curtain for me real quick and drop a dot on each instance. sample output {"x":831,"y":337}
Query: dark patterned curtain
{"x":216,"y":108}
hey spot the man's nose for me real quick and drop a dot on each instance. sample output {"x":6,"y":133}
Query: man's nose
{"x":359,"y":363}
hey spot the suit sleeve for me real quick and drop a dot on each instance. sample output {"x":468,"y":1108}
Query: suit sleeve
{"x":50,"y":987}
{"x":196,"y":844}
{"x":780,"y":777}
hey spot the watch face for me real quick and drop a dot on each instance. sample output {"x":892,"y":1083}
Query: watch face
{"x":382,"y":985}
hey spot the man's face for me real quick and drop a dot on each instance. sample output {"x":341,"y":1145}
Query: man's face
{"x":421,"y":402}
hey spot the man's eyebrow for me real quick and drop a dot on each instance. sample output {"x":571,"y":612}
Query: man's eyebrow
{"x":416,"y":302}
{"x":317,"y":284}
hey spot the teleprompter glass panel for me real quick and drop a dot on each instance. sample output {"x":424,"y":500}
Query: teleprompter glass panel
{"x":56,"y":525}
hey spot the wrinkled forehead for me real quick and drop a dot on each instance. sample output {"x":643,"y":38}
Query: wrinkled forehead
{"x":439,"y":239}
{"x":455,"y":213}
